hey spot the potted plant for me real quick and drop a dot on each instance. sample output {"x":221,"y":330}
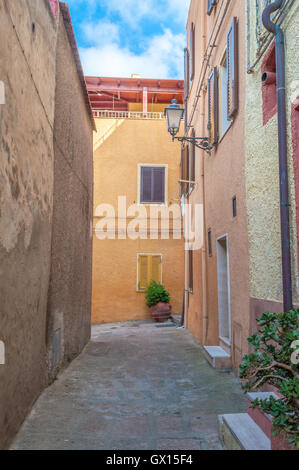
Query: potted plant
{"x":274,"y":362}
{"x":157,"y":299}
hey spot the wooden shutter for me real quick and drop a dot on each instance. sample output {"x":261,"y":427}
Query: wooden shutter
{"x":191,"y":270}
{"x":186,"y":115}
{"x":146,"y":184}
{"x":192,"y":51}
{"x":156,"y":265}
{"x":149,"y":268}
{"x":192,"y":158}
{"x":152,"y":184}
{"x":232,"y":69}
{"x":187,"y":169}
{"x":158,"y":185}
{"x":213,"y":107}
{"x":143,"y":271}
{"x":186,"y":66}
{"x":184,"y":171}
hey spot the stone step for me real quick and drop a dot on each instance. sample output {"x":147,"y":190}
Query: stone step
{"x":217,"y":357}
{"x":240,"y":432}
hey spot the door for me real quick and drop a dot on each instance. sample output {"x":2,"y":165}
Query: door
{"x":223,"y":289}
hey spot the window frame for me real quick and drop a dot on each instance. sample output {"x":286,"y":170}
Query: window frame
{"x":153,"y":165}
{"x":138,"y":288}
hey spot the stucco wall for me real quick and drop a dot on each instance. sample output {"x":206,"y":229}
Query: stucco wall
{"x":262,"y":175}
{"x":69,"y":303}
{"x":27,"y":68}
{"x":116,"y":162}
{"x":46,"y":148}
{"x":221,"y":178}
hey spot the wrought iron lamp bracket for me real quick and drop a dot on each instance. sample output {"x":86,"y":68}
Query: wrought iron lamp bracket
{"x":202,"y":143}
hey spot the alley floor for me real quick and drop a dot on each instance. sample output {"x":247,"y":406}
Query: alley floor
{"x":136,"y":386}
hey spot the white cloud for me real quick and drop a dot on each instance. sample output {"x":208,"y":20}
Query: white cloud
{"x":132,"y":11}
{"x":118,"y":45}
{"x":101,"y":33}
{"x":161,"y":58}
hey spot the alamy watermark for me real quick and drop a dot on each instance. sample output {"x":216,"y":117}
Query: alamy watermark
{"x":140,"y":221}
{"x":2,"y":353}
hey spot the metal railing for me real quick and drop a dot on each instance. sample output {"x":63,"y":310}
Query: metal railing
{"x":108,"y":114}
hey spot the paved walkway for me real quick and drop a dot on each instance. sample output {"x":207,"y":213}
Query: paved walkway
{"x":136,"y":386}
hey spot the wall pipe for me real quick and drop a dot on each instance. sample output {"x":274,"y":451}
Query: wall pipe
{"x":282,"y":144}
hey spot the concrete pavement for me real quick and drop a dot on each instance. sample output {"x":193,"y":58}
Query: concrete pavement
{"x":136,"y":386}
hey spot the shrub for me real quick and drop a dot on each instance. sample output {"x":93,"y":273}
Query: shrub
{"x":272,"y":361}
{"x":156,"y":293}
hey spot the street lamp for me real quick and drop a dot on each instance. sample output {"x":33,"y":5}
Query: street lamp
{"x":174,"y":115}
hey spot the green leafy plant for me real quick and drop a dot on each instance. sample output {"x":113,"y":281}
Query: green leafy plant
{"x":156,"y":293}
{"x":271,"y":363}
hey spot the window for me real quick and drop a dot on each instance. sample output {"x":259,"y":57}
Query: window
{"x":213,"y":105}
{"x":210,"y":5}
{"x":225,"y":121}
{"x":234,"y":206}
{"x":190,"y":255}
{"x":232,"y":69}
{"x":152,"y":184}
{"x":149,"y":268}
{"x":210,"y":243}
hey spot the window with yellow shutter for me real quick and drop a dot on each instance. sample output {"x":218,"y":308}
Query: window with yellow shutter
{"x":149,"y":268}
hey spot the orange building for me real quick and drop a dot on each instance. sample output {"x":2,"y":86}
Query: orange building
{"x":137,"y":215}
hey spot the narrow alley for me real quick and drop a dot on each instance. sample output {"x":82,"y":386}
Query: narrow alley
{"x":136,"y":386}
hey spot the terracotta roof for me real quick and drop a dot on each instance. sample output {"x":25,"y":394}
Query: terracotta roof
{"x":72,"y":39}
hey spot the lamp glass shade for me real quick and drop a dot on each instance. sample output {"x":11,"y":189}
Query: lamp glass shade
{"x":174,"y":114}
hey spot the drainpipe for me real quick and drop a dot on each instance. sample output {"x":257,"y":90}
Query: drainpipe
{"x":282,"y":143}
{"x":205,"y":317}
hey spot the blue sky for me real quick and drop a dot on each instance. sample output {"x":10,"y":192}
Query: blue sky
{"x":119,"y":37}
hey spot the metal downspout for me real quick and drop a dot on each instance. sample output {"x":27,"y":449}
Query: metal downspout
{"x":282,"y":143}
{"x":205,"y":317}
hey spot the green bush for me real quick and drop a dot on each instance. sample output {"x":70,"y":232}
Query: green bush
{"x":271,"y":362}
{"x":156,"y":293}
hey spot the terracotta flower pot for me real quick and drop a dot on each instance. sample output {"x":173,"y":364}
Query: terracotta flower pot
{"x":161,"y":312}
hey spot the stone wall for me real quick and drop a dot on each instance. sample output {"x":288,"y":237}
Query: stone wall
{"x":29,"y":163}
{"x":70,"y":285}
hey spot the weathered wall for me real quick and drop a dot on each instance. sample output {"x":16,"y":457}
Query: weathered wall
{"x":69,"y":303}
{"x":116,"y":174}
{"x":262,"y":176}
{"x":45,"y":205}
{"x":220,"y":177}
{"x":27,"y":68}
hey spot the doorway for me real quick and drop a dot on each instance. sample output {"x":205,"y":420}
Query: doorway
{"x":223,"y":290}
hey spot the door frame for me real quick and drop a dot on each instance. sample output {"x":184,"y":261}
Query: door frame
{"x":225,"y":237}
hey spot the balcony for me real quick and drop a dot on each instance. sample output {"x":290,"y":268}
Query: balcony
{"x":108,"y":114}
